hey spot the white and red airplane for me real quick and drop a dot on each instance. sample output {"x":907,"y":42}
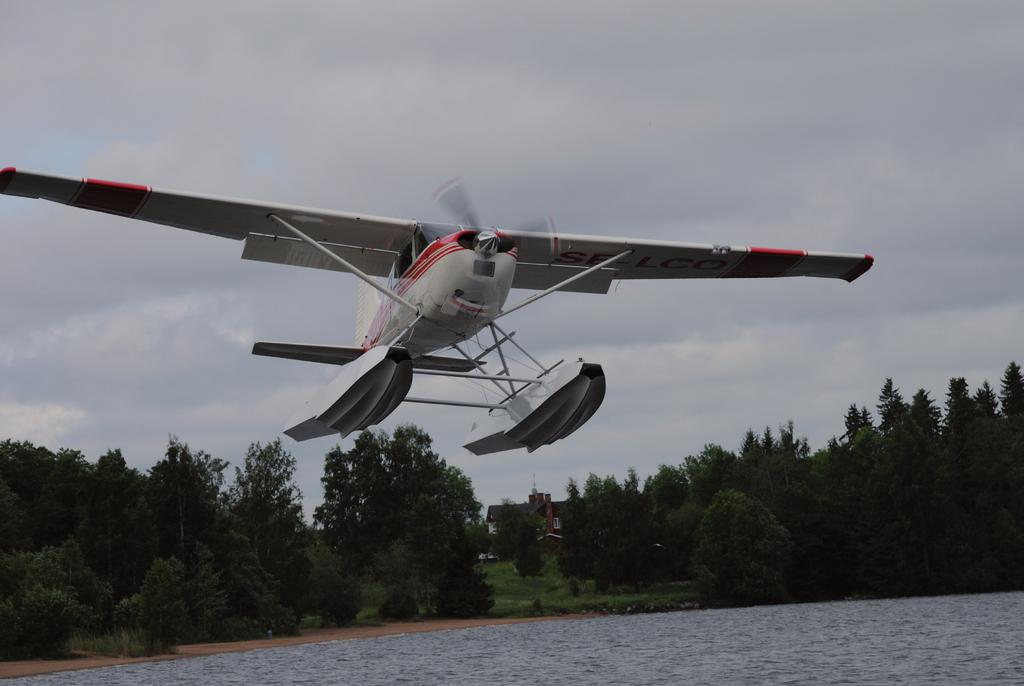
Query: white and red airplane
{"x":443,"y":284}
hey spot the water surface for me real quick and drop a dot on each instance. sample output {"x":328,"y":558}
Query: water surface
{"x":976,"y":639}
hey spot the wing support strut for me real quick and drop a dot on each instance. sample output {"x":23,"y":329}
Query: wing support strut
{"x":563,"y":284}
{"x":346,"y":264}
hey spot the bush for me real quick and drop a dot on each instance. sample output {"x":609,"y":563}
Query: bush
{"x":10,"y":628}
{"x":332,"y":593}
{"x":462,"y":590}
{"x":275,"y":617}
{"x":741,"y":552}
{"x":164,"y":617}
{"x":237,"y":628}
{"x":400,"y":603}
{"x":46,"y":615}
{"x":128,"y":612}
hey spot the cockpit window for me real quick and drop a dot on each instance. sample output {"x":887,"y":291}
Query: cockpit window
{"x":409,"y":253}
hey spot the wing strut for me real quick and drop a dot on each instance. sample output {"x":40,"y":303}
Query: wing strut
{"x":347,"y":265}
{"x":563,"y":284}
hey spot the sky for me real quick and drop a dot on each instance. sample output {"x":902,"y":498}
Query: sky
{"x":895,"y":129}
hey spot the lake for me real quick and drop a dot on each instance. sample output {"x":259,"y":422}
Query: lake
{"x":976,"y":639}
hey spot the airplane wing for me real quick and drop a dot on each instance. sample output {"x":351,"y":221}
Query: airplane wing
{"x":546,"y":259}
{"x":368,"y":242}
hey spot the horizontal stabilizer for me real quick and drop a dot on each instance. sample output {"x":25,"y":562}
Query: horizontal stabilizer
{"x":343,"y":354}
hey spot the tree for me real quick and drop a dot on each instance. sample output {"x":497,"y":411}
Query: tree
{"x":331,"y":591}
{"x":395,"y":569}
{"x":509,"y":520}
{"x":925,"y":414}
{"x":575,"y":556}
{"x":1011,"y":394}
{"x":891,"y":408}
{"x":45,"y":614}
{"x":117,"y":534}
{"x":370,"y":493}
{"x":10,"y":628}
{"x":12,"y":519}
{"x":986,"y":404}
{"x":527,"y":556}
{"x":668,"y":488}
{"x":183,"y":491}
{"x":164,"y":617}
{"x":959,"y":415}
{"x":267,"y":505}
{"x":855,"y":420}
{"x":204,"y":597}
{"x":462,"y":590}
{"x":741,"y":552}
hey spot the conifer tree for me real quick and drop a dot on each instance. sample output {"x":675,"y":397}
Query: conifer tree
{"x":925,"y":414}
{"x":985,"y":402}
{"x":891,"y":408}
{"x":855,"y":420}
{"x":865,"y":416}
{"x":959,"y":414}
{"x":750,"y":443}
{"x":1011,"y":395}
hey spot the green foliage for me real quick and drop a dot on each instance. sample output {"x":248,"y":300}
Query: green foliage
{"x":479,"y":537}
{"x":204,"y":597}
{"x":183,"y":493}
{"x":891,"y":408}
{"x":527,"y":552}
{"x":268,"y":506}
{"x":509,"y":520}
{"x":46,"y":616}
{"x":1011,"y":394}
{"x":462,"y":590}
{"x":12,"y":519}
{"x":164,"y":617}
{"x":333,"y":593}
{"x":128,"y":612}
{"x":10,"y":628}
{"x":393,"y":493}
{"x":515,"y":595}
{"x":123,"y":642}
{"x":116,"y":532}
{"x":402,"y":586}
{"x":741,"y":552}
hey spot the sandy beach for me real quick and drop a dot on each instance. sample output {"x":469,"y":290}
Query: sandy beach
{"x":31,"y":667}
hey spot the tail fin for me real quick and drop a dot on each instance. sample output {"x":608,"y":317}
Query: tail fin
{"x":367,"y":304}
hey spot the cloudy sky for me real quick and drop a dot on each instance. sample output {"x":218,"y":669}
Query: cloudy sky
{"x":895,"y":129}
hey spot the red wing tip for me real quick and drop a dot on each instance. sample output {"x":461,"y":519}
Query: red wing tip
{"x":6,"y":174}
{"x":777,"y":251}
{"x":117,"y":184}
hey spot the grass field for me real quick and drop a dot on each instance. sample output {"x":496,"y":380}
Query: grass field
{"x":547,"y":594}
{"x":550,"y":593}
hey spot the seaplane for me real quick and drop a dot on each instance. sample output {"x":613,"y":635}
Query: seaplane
{"x":430,"y":297}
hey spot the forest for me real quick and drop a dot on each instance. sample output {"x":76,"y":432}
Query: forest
{"x":912,"y":498}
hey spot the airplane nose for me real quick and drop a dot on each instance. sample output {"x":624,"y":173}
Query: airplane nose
{"x":486,"y":244}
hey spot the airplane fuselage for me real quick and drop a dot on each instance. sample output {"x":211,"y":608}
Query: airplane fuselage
{"x":457,"y":290}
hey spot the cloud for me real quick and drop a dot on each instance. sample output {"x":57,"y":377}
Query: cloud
{"x":41,"y":423}
{"x":894,"y":129}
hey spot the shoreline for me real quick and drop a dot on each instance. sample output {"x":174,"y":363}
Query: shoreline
{"x":23,"y":668}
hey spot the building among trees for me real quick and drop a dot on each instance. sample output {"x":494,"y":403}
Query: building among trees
{"x":539,"y":505}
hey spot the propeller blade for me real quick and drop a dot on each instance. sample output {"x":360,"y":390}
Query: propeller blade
{"x":452,"y":196}
{"x":542,"y":239}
